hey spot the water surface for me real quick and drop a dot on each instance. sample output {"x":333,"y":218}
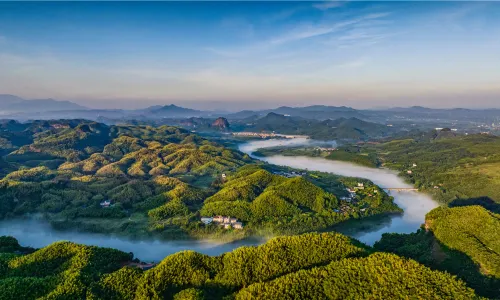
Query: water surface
{"x":37,"y":233}
{"x":415,"y":205}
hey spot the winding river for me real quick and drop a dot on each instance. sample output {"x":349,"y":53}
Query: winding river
{"x":37,"y":233}
{"x":415,"y":205}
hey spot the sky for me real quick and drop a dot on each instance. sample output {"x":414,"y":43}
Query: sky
{"x":249,"y":55}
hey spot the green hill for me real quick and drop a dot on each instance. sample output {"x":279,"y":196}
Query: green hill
{"x":143,"y":180}
{"x":295,"y":204}
{"x":340,"y":128}
{"x":309,"y":266}
{"x":463,"y":241}
{"x":65,"y":169}
{"x":450,"y":168}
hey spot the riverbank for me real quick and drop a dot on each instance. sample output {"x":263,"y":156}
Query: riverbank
{"x":414,"y":204}
{"x":330,"y":153}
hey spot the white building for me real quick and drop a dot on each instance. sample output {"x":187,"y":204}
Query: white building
{"x":207,"y":220}
{"x":106,"y":203}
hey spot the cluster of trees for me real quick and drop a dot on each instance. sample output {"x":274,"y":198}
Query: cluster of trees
{"x":257,"y":196}
{"x":65,"y":169}
{"x":309,"y":266}
{"x":341,"y":128}
{"x":463,"y":241}
{"x":449,"y":167}
{"x":62,"y":270}
{"x":379,"y":276}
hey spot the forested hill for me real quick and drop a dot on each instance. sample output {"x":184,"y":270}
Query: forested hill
{"x":310,"y":266}
{"x":340,"y":128}
{"x":67,"y":169}
{"x":293,"y":205}
{"x":67,"y":144}
{"x":160,"y":181}
{"x":464,"y":241}
{"x":452,"y":168}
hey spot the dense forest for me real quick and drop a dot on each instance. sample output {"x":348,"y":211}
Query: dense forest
{"x":296,"y":204}
{"x":144,"y":180}
{"x":309,"y":266}
{"x":341,"y":128}
{"x":452,"y":168}
{"x":464,"y":241}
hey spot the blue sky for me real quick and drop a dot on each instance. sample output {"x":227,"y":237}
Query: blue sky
{"x":253,"y":54}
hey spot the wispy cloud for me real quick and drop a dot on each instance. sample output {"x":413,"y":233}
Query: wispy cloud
{"x":296,"y":34}
{"x":328,"y":5}
{"x":284,"y":14}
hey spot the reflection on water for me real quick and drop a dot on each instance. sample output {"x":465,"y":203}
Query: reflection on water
{"x":37,"y":234}
{"x":415,"y":205}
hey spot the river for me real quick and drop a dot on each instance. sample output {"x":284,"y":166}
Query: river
{"x":415,"y":205}
{"x":38,"y":233}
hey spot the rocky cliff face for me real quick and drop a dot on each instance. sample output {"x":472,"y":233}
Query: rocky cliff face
{"x":221,"y":124}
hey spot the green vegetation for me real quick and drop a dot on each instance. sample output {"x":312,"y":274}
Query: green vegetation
{"x":379,"y":276}
{"x":155,"y":178}
{"x":463,"y":241}
{"x":143,"y":181}
{"x":453,"y":169}
{"x":450,"y":168}
{"x":341,"y":128}
{"x":62,"y":270}
{"x":309,"y":266}
{"x":291,"y":205}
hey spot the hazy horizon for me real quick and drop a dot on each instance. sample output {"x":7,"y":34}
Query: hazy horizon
{"x":228,"y":106}
{"x":252,"y":55}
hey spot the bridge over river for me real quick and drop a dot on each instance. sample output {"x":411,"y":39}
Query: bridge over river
{"x":401,"y":189}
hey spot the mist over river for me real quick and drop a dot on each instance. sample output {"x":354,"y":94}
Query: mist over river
{"x":415,"y":205}
{"x":38,"y":233}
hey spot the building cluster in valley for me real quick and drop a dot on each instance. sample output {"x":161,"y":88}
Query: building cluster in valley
{"x":351,"y":198}
{"x":290,"y":174}
{"x":326,"y":149}
{"x":352,"y":192}
{"x":268,"y":135}
{"x":227,"y":222}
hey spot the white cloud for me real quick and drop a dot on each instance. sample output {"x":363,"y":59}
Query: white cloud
{"x":295,"y":34}
{"x":328,"y":5}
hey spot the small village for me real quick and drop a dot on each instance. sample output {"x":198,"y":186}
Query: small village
{"x":226,"y":222}
{"x":290,"y":174}
{"x":326,"y":149}
{"x":352,"y":199}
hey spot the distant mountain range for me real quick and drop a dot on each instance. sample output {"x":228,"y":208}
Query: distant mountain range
{"x":14,"y":104}
{"x":292,"y":119}
{"x":317,"y":112}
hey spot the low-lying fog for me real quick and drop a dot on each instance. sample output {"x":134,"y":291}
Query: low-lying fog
{"x":38,"y":233}
{"x":415,"y":205}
